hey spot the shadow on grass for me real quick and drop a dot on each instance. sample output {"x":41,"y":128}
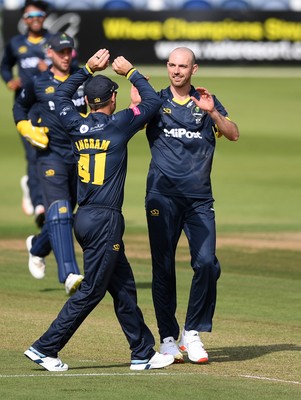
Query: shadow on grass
{"x":139,"y":285}
{"x":241,"y":353}
{"x":104,"y":366}
{"x":52,"y":290}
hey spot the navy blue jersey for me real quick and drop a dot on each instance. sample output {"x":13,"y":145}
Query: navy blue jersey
{"x":100,"y":141}
{"x":182,"y":143}
{"x":40,"y":92}
{"x":26,"y":55}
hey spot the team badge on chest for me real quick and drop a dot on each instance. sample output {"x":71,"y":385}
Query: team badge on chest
{"x":197,"y":113}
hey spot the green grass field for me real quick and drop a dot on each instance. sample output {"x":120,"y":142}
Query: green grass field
{"x":255,"y":346}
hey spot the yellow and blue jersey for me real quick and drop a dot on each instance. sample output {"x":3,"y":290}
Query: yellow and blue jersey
{"x":25,"y":53}
{"x":40,"y":93}
{"x":182,"y":142}
{"x":100,"y":141}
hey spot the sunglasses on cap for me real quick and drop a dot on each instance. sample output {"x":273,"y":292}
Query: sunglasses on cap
{"x":34,"y":14}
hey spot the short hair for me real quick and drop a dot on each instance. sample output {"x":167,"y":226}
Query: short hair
{"x":42,"y":5}
{"x":99,"y":106}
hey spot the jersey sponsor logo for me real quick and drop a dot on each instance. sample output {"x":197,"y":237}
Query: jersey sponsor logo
{"x":91,"y":143}
{"x":97,"y":127}
{"x":83,"y":128}
{"x":29,"y":62}
{"x":65,"y":110}
{"x":116,"y":247}
{"x":166,"y":110}
{"x":79,"y":102}
{"x":182,"y":132}
{"x":155,"y":212}
{"x":80,"y":91}
{"x":51,"y":105}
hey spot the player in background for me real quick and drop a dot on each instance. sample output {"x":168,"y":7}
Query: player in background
{"x":100,"y":148}
{"x":27,"y":53}
{"x":182,"y":138}
{"x":55,"y":161}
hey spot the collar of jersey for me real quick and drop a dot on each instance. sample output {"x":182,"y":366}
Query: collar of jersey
{"x":61,"y":78}
{"x":35,"y":40}
{"x":181,"y":102}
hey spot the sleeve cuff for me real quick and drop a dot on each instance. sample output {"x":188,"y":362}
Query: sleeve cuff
{"x":87,"y":69}
{"x":130,"y":72}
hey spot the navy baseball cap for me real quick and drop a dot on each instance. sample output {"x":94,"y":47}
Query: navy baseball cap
{"x":60,"y":41}
{"x":99,"y":89}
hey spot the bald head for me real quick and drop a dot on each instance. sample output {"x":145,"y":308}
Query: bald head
{"x":183,"y":53}
{"x":181,"y":66}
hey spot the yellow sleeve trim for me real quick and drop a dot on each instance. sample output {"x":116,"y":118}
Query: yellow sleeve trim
{"x":89,"y":69}
{"x":215,"y":130}
{"x":130,"y":72}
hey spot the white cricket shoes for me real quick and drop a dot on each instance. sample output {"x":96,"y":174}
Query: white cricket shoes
{"x":36,"y":264}
{"x":49,"y":363}
{"x":72,"y":283}
{"x":169,"y":346}
{"x":191,"y":342}
{"x":156,"y":361}
{"x":27,"y":206}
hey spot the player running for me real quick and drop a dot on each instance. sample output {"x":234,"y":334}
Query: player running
{"x":56,"y":164}
{"x":27,"y":52}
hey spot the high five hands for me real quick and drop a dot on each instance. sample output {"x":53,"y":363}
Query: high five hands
{"x":99,"y":61}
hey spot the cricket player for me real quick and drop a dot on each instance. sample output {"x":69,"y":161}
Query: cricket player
{"x":55,"y":161}
{"x":99,"y":144}
{"x":182,"y":138}
{"x":28,"y":52}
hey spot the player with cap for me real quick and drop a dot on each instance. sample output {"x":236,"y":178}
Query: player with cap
{"x":56,"y":164}
{"x":99,"y":144}
{"x":27,"y":52}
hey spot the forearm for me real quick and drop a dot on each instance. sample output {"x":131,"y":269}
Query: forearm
{"x":21,"y":110}
{"x":226,"y":127}
{"x":7,"y":65}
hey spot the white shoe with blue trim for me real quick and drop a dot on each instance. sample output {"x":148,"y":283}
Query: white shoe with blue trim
{"x":157,"y":361}
{"x":49,"y":363}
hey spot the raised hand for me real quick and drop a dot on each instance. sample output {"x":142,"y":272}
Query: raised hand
{"x":206,"y":101}
{"x":121,"y":65}
{"x":99,"y":61}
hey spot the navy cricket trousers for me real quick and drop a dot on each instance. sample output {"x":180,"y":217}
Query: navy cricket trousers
{"x":167,"y":217}
{"x":99,"y":231}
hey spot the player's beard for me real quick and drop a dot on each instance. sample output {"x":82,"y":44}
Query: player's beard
{"x":61,"y":68}
{"x":64,"y":68}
